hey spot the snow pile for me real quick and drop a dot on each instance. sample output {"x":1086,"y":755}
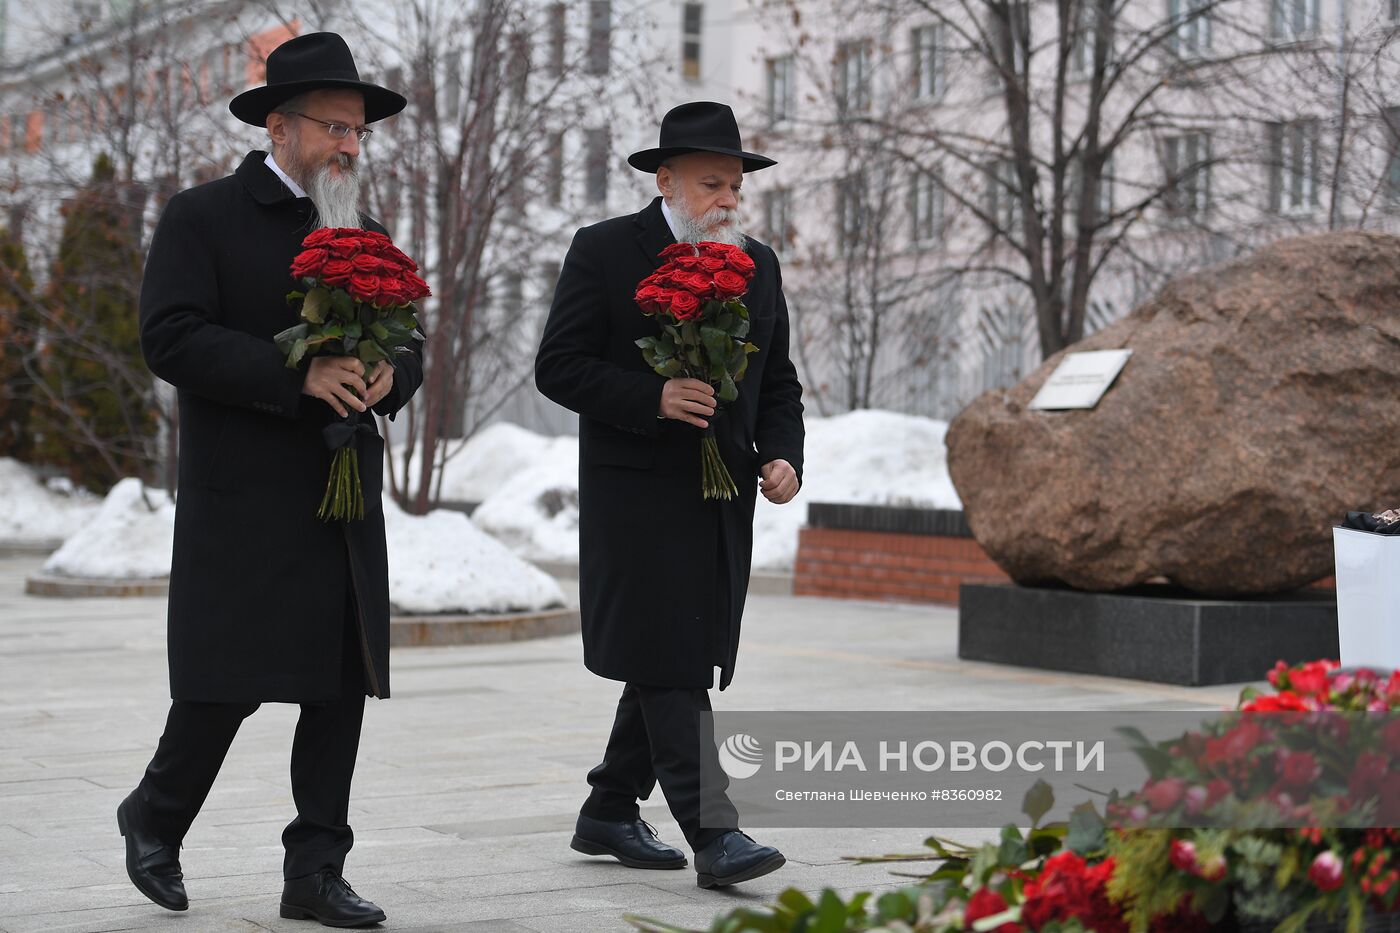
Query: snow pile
{"x":32,"y":513}
{"x":130,"y":537}
{"x":487,"y":460}
{"x":862,"y":457}
{"x":865,"y":457}
{"x":441,"y":562}
{"x":535,"y":512}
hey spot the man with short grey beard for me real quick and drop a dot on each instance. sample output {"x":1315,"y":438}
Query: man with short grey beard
{"x":664,"y":572}
{"x":268,"y":604}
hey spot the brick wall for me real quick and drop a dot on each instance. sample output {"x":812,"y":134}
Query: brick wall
{"x":854,"y":564}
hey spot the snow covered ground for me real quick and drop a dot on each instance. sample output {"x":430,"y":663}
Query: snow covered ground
{"x":441,"y":562}
{"x":35,"y":513}
{"x":867,"y":457}
{"x":128,"y":539}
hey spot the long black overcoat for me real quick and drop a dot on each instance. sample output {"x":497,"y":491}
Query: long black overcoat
{"x":259,"y":586}
{"x":663,"y":573}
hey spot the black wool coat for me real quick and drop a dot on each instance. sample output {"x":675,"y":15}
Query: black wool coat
{"x":260,"y":587}
{"x":663,"y":573}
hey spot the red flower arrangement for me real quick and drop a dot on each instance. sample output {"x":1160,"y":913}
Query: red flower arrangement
{"x":360,"y":290}
{"x":695,"y":296}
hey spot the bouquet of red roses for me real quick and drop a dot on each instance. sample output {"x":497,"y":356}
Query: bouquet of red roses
{"x":358,"y":302}
{"x":695,"y":297}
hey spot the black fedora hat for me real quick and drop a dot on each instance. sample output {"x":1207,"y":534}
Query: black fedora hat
{"x":315,"y":61}
{"x":700,"y":126}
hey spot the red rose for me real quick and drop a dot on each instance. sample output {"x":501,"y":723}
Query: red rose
{"x":397,"y":255}
{"x":1326,"y":871}
{"x":740,"y":261}
{"x":1164,"y":794}
{"x":308,"y":263}
{"x":678,"y":249}
{"x":663,"y":299}
{"x":416,"y":287}
{"x":985,"y":902}
{"x":337,"y":272}
{"x":364,"y":287}
{"x":1311,"y":678}
{"x":684,"y":305}
{"x":365,"y":262}
{"x":688,"y":263}
{"x":1298,"y":770}
{"x":1183,"y":856}
{"x":729,"y":284}
{"x":319,"y":237}
{"x":647,"y":295}
{"x":392,"y":293}
{"x":711,"y":264}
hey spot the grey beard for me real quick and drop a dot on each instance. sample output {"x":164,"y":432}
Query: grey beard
{"x":337,"y":197}
{"x":690,"y":229}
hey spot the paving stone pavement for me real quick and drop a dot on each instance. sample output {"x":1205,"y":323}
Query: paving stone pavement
{"x":469,"y":779}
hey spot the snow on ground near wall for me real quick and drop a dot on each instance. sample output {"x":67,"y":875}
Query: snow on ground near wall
{"x":128,"y":539}
{"x":866,"y":457}
{"x":439,"y":562}
{"x":535,"y":512}
{"x":33,"y":513}
{"x":484,"y":462}
{"x":442,"y":562}
{"x":863,"y":457}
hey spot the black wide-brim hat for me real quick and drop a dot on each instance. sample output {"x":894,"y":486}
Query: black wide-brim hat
{"x":313,"y":62}
{"x":700,"y":126}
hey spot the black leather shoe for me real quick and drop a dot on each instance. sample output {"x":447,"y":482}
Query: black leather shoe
{"x":327,"y":898}
{"x":152,"y":866}
{"x":732,"y":858}
{"x":631,"y":842}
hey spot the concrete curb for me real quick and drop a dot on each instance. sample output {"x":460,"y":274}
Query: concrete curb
{"x":11,"y":548}
{"x":761,"y":583}
{"x":409,"y":631}
{"x":43,"y":584}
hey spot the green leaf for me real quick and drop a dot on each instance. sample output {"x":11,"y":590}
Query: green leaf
{"x":670,"y":368}
{"x":315,"y":305}
{"x":728,"y":391}
{"x":831,"y":914}
{"x":370,"y":351}
{"x":342,"y":304}
{"x":297,"y":352}
{"x":1012,"y":851}
{"x":353,"y":329}
{"x":1086,"y":830}
{"x":894,"y":905}
{"x":380,"y":332}
{"x":1038,"y":801}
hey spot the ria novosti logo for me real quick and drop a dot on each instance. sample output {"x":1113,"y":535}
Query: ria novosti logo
{"x":741,"y":756}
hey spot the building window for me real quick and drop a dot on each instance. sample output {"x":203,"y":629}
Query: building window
{"x":1191,"y":32}
{"x":928,"y":78}
{"x":1186,"y":163}
{"x":1291,"y":20}
{"x":1394,"y":6}
{"x":1003,"y":198}
{"x":1082,"y":38}
{"x":782,"y":97}
{"x":1390,"y":127}
{"x":1293,"y":166}
{"x":554,"y":181}
{"x":926,"y":207}
{"x":599,"y":36}
{"x":596,"y":166}
{"x":853,"y":64}
{"x":777,"y":218}
{"x":557,"y":24}
{"x":851,"y":217}
{"x":692,"y":15}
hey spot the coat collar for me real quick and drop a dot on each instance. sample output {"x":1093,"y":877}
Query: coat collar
{"x":262,"y":182}
{"x":654,"y":234}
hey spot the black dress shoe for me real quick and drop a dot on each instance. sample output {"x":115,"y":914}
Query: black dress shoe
{"x":326,"y":897}
{"x":152,"y":866}
{"x":732,"y":858}
{"x":631,"y":842}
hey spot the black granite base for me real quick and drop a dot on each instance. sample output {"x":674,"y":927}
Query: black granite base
{"x":1153,"y":633}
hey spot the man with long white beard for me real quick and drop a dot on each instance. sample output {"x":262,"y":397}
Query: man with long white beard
{"x":663,"y":572}
{"x":267,"y":602}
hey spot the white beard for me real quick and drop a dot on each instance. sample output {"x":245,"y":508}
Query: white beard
{"x":709,"y":228}
{"x":337,"y":197}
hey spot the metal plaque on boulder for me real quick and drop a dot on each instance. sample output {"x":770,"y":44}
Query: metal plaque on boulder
{"x":1080,"y":380}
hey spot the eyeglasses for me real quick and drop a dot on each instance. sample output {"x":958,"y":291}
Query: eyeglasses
{"x":338,"y":130}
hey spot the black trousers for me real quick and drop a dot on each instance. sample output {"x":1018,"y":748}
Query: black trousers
{"x":198,"y":735}
{"x":658,"y":736}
